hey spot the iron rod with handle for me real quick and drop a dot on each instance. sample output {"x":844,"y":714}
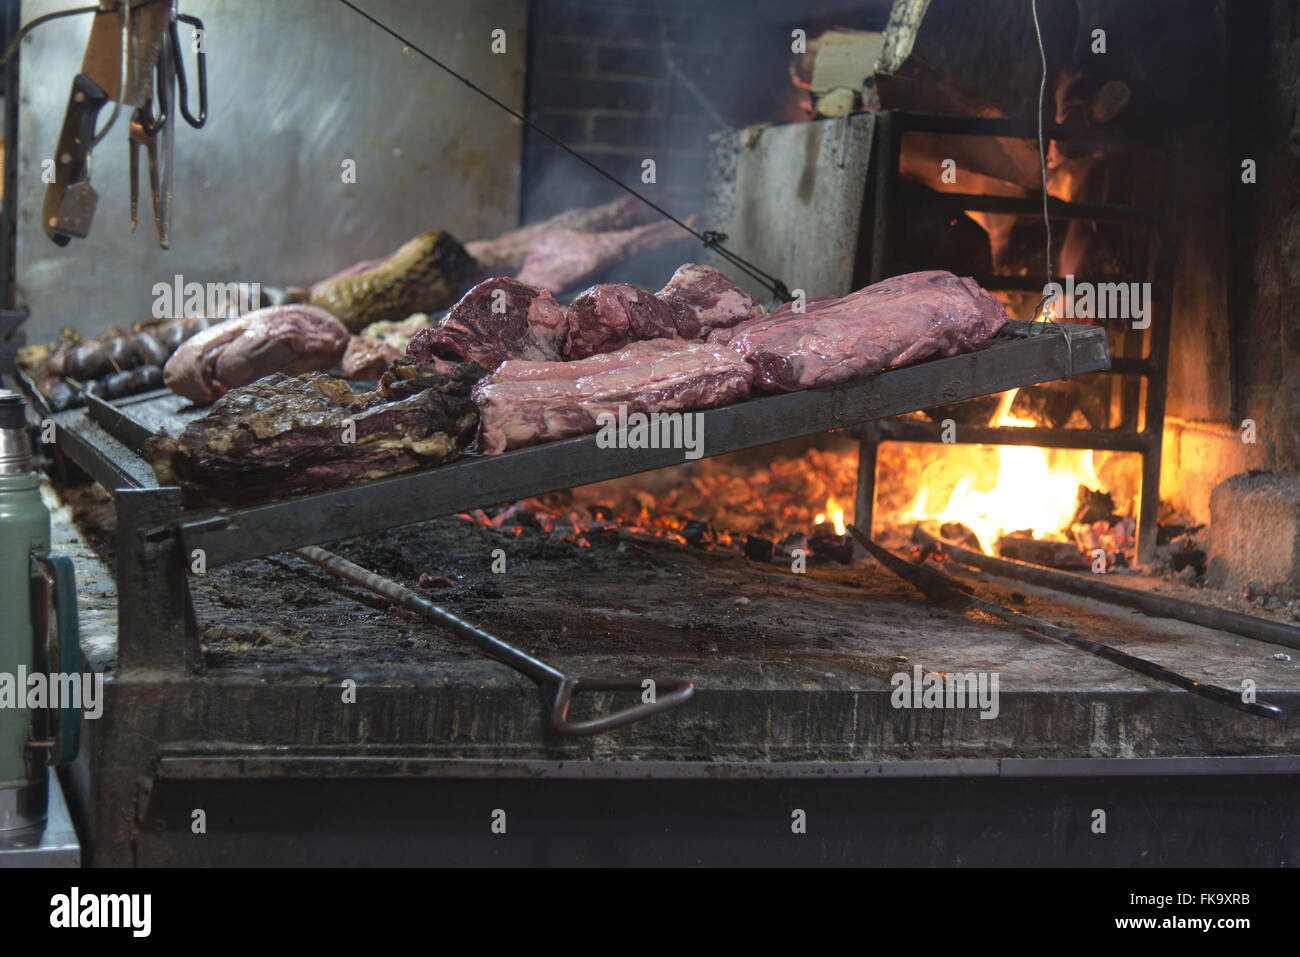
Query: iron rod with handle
{"x":668,"y":692}
{"x":1261,"y":629}
{"x":943,"y":590}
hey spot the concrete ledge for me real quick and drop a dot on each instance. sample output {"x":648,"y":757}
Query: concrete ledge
{"x":1255,"y":533}
{"x":1197,"y":456}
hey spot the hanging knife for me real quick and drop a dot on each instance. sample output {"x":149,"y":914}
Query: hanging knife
{"x":70,"y":199}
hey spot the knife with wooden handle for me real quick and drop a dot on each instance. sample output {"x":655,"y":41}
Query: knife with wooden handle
{"x":70,"y":200}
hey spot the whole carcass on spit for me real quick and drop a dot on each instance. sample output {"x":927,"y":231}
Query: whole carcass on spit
{"x":523,"y":403}
{"x":289,"y":339}
{"x":283,"y":435}
{"x":892,"y":323}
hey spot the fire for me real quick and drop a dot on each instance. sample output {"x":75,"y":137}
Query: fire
{"x":1020,"y":488}
{"x":836,"y":513}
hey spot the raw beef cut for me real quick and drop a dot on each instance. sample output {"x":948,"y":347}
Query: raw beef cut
{"x":505,"y":254}
{"x":563,"y":259}
{"x":367,"y":359}
{"x":498,"y":319}
{"x":608,"y":317}
{"x":893,"y":323}
{"x":523,"y":403}
{"x":284,"y":435}
{"x":289,"y":339}
{"x":696,"y":300}
{"x":502,"y":319}
{"x":713,"y":299}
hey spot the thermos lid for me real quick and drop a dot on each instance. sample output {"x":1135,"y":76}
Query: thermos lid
{"x":15,"y":454}
{"x":13,"y":413}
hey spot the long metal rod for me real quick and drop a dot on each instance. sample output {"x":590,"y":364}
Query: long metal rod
{"x":1158,"y":335}
{"x":911,"y":430}
{"x":909,"y":121}
{"x":941,"y":589}
{"x":1033,"y":206}
{"x":709,"y":238}
{"x":401,"y":595}
{"x":999,"y":283}
{"x":1093,"y":586}
{"x":667,"y":693}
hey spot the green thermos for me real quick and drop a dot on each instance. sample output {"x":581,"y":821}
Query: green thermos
{"x":30,"y":739}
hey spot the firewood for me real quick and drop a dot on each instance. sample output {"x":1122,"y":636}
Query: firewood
{"x":1052,"y":554}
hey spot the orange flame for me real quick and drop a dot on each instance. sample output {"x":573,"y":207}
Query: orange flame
{"x":836,"y":513}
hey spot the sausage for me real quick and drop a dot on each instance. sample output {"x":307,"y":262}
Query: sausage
{"x":121,"y":352}
{"x":88,"y":361}
{"x":149,"y":350}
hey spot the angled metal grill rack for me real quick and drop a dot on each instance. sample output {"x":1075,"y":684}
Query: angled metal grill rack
{"x":157,"y":534}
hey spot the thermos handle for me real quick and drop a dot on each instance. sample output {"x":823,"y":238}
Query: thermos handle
{"x":64,"y":576}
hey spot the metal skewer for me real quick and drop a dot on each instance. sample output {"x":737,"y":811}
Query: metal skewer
{"x":944,"y":590}
{"x":668,"y":692}
{"x":1090,"y":586}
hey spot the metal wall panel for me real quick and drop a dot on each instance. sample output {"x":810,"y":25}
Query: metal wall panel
{"x":790,"y":201}
{"x":295,"y":88}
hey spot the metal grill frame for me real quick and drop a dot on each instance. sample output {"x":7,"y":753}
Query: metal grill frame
{"x":891,"y":127}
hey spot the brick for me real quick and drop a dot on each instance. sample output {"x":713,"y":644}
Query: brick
{"x":633,"y":130}
{"x":561,"y":55}
{"x":571,"y":127}
{"x":1255,"y":533}
{"x":630,"y":61}
{"x":623,"y":164}
{"x":577,"y":93}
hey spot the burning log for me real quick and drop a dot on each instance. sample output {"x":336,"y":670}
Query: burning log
{"x":831,"y":548}
{"x":694,"y":533}
{"x":930,"y":64}
{"x":1093,"y":506}
{"x":759,"y":549}
{"x":1041,"y":552}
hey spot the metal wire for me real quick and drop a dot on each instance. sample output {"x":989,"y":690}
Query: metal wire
{"x":1042,"y":148}
{"x":709,"y":238}
{"x":124,"y":9}
{"x":33,"y":24}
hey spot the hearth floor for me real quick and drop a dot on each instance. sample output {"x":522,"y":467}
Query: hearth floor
{"x":787,"y":666}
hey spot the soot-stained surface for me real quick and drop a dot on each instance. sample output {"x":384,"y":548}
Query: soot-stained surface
{"x":623,"y":607}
